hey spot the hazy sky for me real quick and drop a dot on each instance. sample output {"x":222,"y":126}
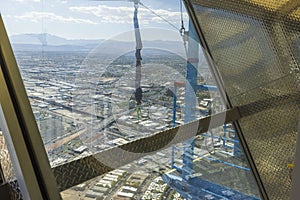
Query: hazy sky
{"x":86,"y":19}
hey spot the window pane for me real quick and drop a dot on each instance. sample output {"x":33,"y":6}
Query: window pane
{"x":91,"y":94}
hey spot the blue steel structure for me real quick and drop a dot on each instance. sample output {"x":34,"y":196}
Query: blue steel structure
{"x":201,"y":189}
{"x":187,"y":185}
{"x":196,"y":88}
{"x":190,"y":101}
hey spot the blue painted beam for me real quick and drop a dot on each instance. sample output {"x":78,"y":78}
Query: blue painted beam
{"x":227,"y":163}
{"x":211,"y":88}
{"x":199,"y":189}
{"x":190,"y":99}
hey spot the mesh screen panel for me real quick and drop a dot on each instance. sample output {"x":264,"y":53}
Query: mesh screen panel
{"x":255,"y":47}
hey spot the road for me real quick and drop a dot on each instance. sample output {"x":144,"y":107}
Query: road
{"x":60,"y":142}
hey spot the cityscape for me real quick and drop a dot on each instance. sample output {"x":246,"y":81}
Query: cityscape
{"x":83,"y":102}
{"x":149,"y":100}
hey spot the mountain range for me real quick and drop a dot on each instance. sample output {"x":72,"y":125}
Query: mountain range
{"x":48,"y":39}
{"x":48,"y":42}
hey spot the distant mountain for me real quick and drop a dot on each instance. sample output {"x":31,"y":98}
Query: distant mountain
{"x":62,"y":48}
{"x":48,"y":39}
{"x":48,"y":42}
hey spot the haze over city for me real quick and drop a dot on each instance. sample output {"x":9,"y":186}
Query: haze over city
{"x":88,"y":19}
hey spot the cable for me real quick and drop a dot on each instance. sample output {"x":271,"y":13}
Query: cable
{"x":159,"y":16}
{"x":182,"y":29}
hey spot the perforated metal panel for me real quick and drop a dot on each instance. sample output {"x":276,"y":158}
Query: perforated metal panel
{"x":255,"y":47}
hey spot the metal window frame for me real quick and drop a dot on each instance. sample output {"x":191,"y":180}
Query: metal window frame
{"x":26,"y":142}
{"x":295,"y":192}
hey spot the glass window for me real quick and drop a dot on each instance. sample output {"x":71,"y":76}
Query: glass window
{"x":104,"y":77}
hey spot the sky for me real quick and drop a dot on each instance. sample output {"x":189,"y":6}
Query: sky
{"x":88,"y":19}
